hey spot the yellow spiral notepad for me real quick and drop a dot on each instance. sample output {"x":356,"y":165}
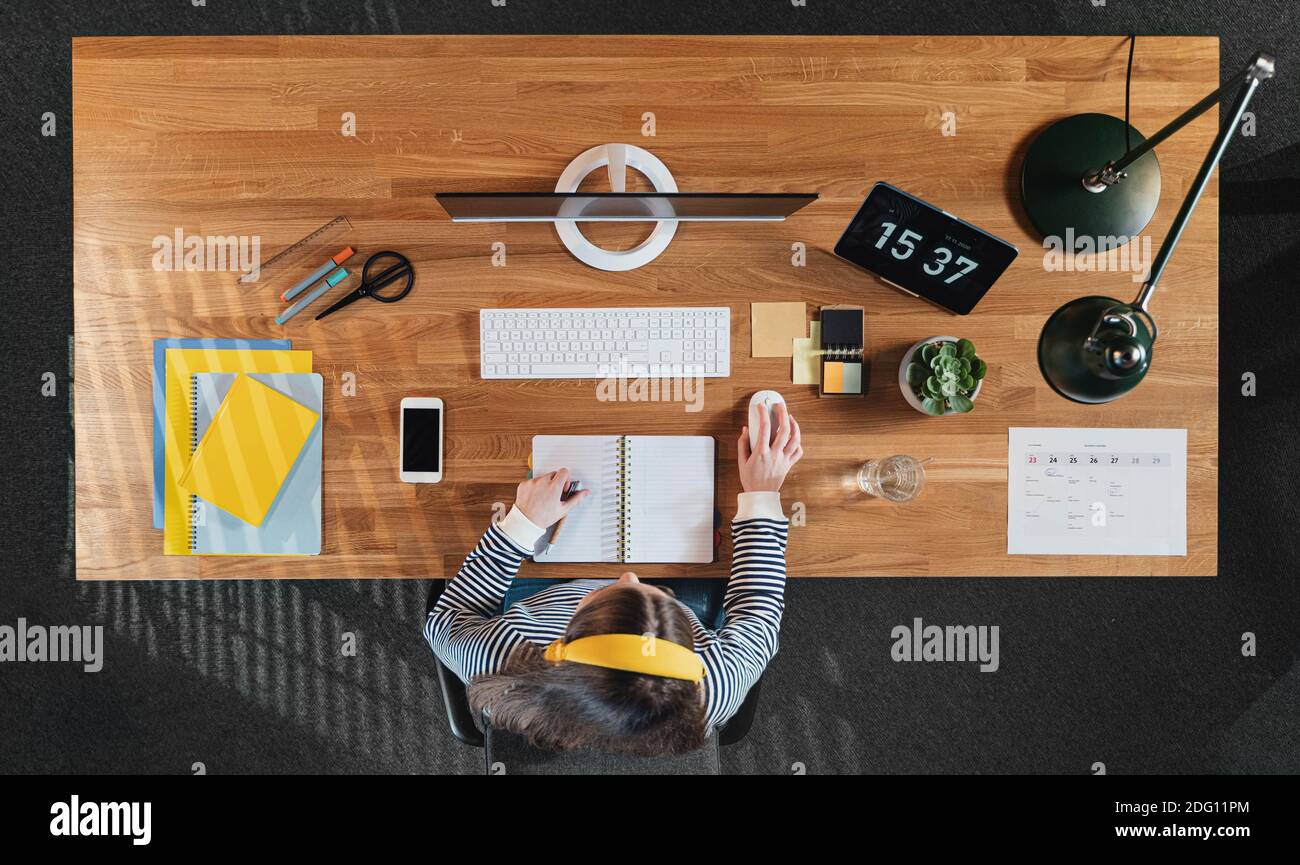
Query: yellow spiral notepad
{"x":249,"y":449}
{"x":181,"y":364}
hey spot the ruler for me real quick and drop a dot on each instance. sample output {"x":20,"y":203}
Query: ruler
{"x":336,"y":225}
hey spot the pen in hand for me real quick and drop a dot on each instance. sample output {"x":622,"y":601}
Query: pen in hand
{"x":569,"y":490}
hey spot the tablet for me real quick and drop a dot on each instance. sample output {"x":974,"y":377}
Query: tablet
{"x":925,"y":251}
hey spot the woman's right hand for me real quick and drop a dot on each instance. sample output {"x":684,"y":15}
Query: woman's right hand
{"x":539,"y":498}
{"x":763,"y":468}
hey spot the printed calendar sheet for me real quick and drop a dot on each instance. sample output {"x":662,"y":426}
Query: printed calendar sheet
{"x":1103,"y":492}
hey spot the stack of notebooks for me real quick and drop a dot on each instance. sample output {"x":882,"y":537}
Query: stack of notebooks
{"x":237,"y":448}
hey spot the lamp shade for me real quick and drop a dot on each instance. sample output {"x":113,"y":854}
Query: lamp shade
{"x":1096,"y":349}
{"x":1060,"y":205}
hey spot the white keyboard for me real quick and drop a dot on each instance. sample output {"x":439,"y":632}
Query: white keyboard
{"x":598,"y":342}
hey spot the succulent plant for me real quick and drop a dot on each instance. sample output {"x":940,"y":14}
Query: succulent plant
{"x":944,"y":374}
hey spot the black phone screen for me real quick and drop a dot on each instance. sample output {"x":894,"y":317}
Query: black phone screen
{"x":420,"y":430}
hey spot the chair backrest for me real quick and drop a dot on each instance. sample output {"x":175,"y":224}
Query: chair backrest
{"x":463,"y":726}
{"x":510,"y":754}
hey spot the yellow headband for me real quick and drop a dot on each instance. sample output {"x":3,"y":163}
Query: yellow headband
{"x":632,"y":653}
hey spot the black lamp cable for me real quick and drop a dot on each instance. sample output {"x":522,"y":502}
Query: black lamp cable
{"x":1128,"y":80}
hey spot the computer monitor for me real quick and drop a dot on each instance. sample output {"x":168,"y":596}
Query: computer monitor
{"x":621,"y":206}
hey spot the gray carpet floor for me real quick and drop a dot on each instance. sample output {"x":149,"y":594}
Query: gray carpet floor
{"x":1144,"y":676}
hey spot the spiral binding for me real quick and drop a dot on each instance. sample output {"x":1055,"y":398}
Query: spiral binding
{"x":843,"y":352}
{"x":194,"y":443}
{"x":624,"y":512}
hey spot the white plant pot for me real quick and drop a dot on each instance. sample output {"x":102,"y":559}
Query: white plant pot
{"x":906,"y":388}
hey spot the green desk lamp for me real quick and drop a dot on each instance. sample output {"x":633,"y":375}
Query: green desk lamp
{"x":1096,"y":349}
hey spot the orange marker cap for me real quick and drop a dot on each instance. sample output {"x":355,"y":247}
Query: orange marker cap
{"x":342,"y":256}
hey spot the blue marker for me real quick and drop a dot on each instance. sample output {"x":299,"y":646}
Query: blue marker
{"x":330,"y":281}
{"x":319,"y":273}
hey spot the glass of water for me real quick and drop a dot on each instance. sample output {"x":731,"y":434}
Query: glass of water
{"x":897,"y":479}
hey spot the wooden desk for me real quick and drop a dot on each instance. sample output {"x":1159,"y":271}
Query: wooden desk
{"x":242,"y":136}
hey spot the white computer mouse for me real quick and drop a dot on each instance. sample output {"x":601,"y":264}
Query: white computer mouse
{"x":763,"y":400}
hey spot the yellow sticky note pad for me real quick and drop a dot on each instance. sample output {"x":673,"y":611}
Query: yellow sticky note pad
{"x":806,"y":368}
{"x":773,"y":326}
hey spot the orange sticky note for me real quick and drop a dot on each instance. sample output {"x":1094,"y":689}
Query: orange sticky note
{"x":833,"y":377}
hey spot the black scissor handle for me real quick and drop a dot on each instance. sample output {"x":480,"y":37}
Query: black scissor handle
{"x":401,"y":267}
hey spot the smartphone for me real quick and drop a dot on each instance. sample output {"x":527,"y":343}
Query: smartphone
{"x":422,"y":440}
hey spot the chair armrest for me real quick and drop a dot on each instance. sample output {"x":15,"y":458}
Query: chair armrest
{"x":738,"y":725}
{"x":459,"y":717}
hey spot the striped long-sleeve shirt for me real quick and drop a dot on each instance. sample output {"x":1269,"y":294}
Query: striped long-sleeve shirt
{"x":468,"y":632}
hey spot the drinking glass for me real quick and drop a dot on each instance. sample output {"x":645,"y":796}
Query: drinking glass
{"x":898,"y":478}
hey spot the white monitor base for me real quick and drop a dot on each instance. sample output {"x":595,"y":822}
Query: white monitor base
{"x":618,"y":157}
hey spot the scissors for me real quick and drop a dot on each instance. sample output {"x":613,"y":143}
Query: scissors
{"x":370,"y":285}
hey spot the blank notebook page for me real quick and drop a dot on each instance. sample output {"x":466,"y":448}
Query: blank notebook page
{"x":671,"y":498}
{"x":591,"y":529}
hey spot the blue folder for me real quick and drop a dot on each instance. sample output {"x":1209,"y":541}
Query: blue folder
{"x":293,"y":523}
{"x":160,"y":347}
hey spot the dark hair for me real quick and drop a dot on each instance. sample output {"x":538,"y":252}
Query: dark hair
{"x":567,"y":706}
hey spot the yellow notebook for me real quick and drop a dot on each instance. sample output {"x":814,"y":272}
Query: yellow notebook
{"x":250,"y":447}
{"x":181,"y":365}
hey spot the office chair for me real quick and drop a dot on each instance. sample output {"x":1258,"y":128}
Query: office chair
{"x":460,"y":718}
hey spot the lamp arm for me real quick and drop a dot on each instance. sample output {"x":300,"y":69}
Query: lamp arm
{"x":1261,"y":68}
{"x":1169,"y":129}
{"x":1113,"y":172}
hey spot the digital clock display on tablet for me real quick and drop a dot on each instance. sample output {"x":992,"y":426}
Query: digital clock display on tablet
{"x":924,"y":251}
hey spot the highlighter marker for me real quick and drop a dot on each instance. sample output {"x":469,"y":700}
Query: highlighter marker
{"x":320,"y":271}
{"x":332,"y":280}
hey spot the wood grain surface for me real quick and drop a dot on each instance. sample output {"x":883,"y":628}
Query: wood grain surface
{"x":241,"y":135}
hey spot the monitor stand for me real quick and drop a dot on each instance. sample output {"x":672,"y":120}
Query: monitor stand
{"x":618,"y":158}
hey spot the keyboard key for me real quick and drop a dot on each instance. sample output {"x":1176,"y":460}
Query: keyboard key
{"x":555,"y":370}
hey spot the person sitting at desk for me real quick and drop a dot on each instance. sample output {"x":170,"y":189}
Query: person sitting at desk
{"x":666,"y":680}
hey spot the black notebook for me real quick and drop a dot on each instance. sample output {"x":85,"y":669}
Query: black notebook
{"x":843,"y":355}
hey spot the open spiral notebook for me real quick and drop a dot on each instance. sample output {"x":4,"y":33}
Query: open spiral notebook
{"x":651,"y":498}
